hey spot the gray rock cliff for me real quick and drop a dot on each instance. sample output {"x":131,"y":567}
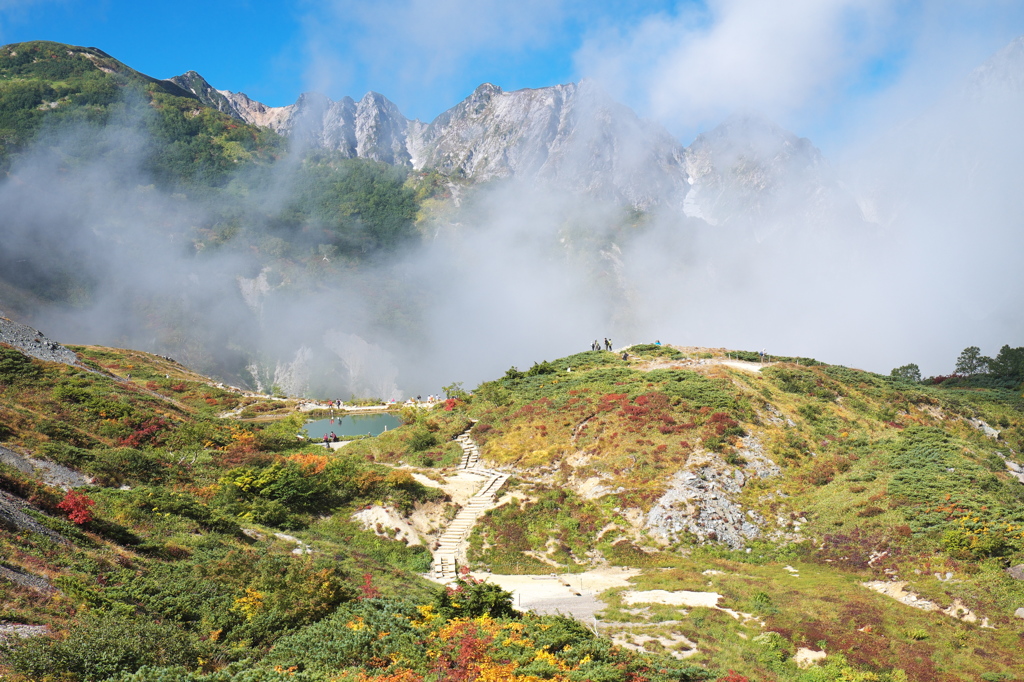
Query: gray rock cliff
{"x":572,"y":137}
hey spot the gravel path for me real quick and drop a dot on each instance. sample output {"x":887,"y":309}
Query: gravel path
{"x":574,"y":595}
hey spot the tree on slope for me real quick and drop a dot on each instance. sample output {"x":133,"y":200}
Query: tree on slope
{"x":971,"y":362}
{"x":1009,"y":364}
{"x":910,"y":372}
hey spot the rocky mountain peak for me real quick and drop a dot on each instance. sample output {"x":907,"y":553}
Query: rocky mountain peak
{"x":572,"y":136}
{"x":749,"y":168}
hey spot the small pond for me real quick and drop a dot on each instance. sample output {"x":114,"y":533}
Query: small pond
{"x":353,"y":425}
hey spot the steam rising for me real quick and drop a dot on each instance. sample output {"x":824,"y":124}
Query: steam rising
{"x":907,"y":253}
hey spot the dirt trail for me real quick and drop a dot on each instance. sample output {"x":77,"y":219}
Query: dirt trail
{"x":573,"y":595}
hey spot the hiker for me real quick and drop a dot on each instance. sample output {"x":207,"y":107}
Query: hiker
{"x":657,"y":343}
{"x":625,"y":355}
{"x":608,"y":344}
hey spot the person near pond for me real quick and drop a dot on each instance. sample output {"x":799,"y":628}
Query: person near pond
{"x":334,"y":438}
{"x":327,"y":441}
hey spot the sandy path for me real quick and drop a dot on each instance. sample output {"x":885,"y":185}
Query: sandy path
{"x":573,"y":595}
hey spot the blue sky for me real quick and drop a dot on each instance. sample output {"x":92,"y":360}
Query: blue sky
{"x":827,"y":69}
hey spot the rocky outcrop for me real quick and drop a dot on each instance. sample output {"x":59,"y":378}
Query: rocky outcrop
{"x":33,"y":582}
{"x":573,"y":137}
{"x":13,"y":516}
{"x":52,"y":473}
{"x":751,"y":170}
{"x":34,"y":343}
{"x":701,"y":500}
{"x":372,"y":128}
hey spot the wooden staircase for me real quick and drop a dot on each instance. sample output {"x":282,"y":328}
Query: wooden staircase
{"x":452,"y":542}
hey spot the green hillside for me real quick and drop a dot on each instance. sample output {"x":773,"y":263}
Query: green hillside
{"x":848,"y":478}
{"x":156,"y":525}
{"x":104,"y":167}
{"x":213,"y":548}
{"x":230,"y":543}
{"x":53,"y":89}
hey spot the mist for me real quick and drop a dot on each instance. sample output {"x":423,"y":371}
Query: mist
{"x":906,"y":251}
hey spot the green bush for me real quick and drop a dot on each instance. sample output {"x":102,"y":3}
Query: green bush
{"x":102,"y":645}
{"x":474,"y":598}
{"x":422,"y":440}
{"x":116,"y":466}
{"x":654,"y":350}
{"x":15,"y":366}
{"x":353,"y":636}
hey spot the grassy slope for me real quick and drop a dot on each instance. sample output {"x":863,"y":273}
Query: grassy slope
{"x":866,"y":463}
{"x":884,"y":479}
{"x":872,"y":466}
{"x":147,"y":546}
{"x":183,"y":569}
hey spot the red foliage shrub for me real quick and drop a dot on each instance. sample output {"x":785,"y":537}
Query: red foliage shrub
{"x":610,"y":401}
{"x":464,"y":651}
{"x":869,"y":511}
{"x":152,"y":385}
{"x":76,"y":505}
{"x":733,"y":676}
{"x":145,"y":433}
{"x":178,"y":388}
{"x":634,"y":411}
{"x":367,"y":588}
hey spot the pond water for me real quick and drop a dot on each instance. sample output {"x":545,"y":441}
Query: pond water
{"x":353,"y":425}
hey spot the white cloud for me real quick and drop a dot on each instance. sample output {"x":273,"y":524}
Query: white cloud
{"x":419,"y":45}
{"x":699,"y":64}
